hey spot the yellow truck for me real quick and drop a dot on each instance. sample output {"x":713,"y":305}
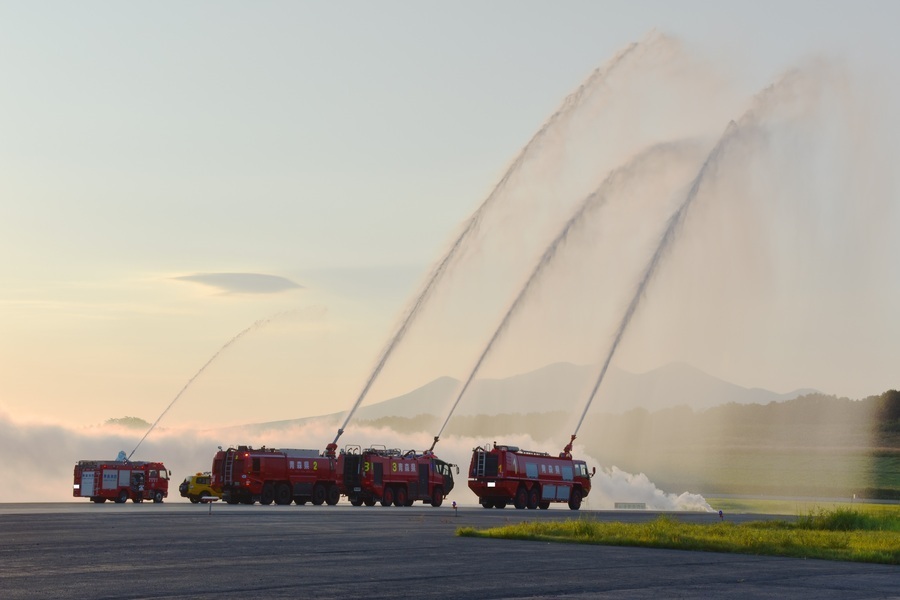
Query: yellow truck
{"x":197,"y":486}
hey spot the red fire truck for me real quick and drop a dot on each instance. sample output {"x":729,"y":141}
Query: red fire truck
{"x":506,"y":474}
{"x":120,"y":480}
{"x":266,"y":475}
{"x":389,"y":476}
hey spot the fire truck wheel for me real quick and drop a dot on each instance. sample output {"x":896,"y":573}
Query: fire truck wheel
{"x":388,"y":498}
{"x":299,"y":501}
{"x":356,"y":501}
{"x":137,"y":499}
{"x":400,"y":497}
{"x":534,"y":498}
{"x":369,"y":501}
{"x":268,"y":494}
{"x":334,"y":495}
{"x":122,"y":498}
{"x":437,"y":497}
{"x":283,"y":494}
{"x":521,"y":500}
{"x":544,"y":505}
{"x":500,"y":504}
{"x":575,"y":499}
{"x":158,"y":497}
{"x":98,"y":500}
{"x":318,"y":496}
{"x":487,"y":503}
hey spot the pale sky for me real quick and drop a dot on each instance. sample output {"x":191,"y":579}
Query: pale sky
{"x":328,"y":152}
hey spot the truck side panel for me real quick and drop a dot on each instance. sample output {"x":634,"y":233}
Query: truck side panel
{"x":87,"y":483}
{"x":111,"y":479}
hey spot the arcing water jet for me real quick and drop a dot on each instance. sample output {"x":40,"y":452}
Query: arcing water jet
{"x":256,"y":325}
{"x":568,"y":107}
{"x":731,"y":133}
{"x":637,"y":166}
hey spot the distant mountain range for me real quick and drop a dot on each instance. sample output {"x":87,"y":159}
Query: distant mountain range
{"x":564,"y":386}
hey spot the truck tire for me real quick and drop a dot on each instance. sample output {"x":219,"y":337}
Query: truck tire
{"x":369,"y":501}
{"x":500,"y":504}
{"x":98,"y":500}
{"x":400,"y":496}
{"x":544,"y":505}
{"x":318,"y":495}
{"x":521,"y":500}
{"x":487,"y":503}
{"x":122,"y":498}
{"x":334,"y":495}
{"x":356,"y":501}
{"x":300,"y":501}
{"x":283,"y":494}
{"x":437,"y":497}
{"x":158,"y":497}
{"x":268,"y":494}
{"x":575,"y":499}
{"x":534,"y":497}
{"x":388,"y":498}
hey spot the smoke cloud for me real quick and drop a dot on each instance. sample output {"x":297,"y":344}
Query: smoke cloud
{"x":47,"y":454}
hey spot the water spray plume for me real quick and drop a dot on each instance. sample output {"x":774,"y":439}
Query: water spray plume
{"x":758,"y":108}
{"x":255,"y":325}
{"x":569,"y":105}
{"x":652,"y":265}
{"x":592,"y":202}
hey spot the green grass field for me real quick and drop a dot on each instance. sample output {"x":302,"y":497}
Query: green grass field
{"x":846,"y":534}
{"x":765,"y":506}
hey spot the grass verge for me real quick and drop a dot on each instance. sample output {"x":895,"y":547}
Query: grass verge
{"x":767,"y":506}
{"x":841,"y":534}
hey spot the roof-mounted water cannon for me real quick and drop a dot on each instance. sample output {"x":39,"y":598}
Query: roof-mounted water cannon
{"x":433,"y":444}
{"x":567,"y":451}
{"x":331,"y":449}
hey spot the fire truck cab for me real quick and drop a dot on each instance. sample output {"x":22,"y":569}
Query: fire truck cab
{"x":508,"y":475}
{"x":392,"y":477}
{"x":120,"y":481}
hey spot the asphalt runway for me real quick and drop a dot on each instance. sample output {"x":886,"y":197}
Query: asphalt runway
{"x":182,"y":550}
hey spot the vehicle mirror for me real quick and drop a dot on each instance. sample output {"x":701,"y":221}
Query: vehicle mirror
{"x":593,"y":471}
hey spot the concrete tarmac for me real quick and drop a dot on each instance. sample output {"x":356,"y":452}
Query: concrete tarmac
{"x":180,"y":550}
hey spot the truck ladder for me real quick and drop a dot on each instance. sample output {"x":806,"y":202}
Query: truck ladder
{"x":228,"y":470}
{"x":479,"y":464}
